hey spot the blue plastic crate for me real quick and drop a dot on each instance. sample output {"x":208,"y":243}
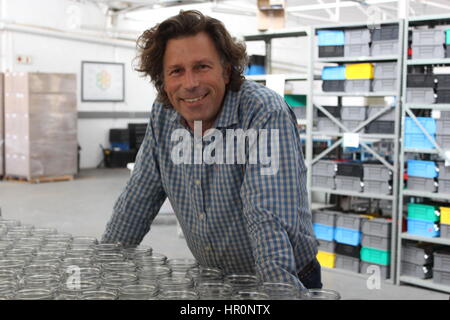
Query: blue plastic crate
{"x":423,"y":228}
{"x":323,"y":232}
{"x":347,"y":236}
{"x":255,"y":69}
{"x":333,"y":73}
{"x":331,"y":38}
{"x":424,"y":169}
{"x":428,"y":123}
{"x":418,"y":140}
{"x":120,"y":145}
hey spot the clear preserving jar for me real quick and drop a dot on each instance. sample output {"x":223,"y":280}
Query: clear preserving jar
{"x":83,"y":242}
{"x":72,"y":290}
{"x":79,"y":262}
{"x":34,"y":294}
{"x":250,"y":295}
{"x":152,"y":260}
{"x":44,"y":231}
{"x":12,"y":264}
{"x":99,"y":295}
{"x":280,"y":291}
{"x":8,"y":289}
{"x":320,"y":294}
{"x":205,"y":274}
{"x":108,"y":248}
{"x":113,"y":281}
{"x":133,"y":253}
{"x":100,"y":258}
{"x":181,"y":265}
{"x":50,"y":281}
{"x":243,"y":282}
{"x":138,"y":292}
{"x":214,"y":291}
{"x":86,"y":252}
{"x":179,"y":295}
{"x":59,"y":237}
{"x":119,"y":266}
{"x":40,"y":269}
{"x":175,"y":283}
{"x":151,"y":274}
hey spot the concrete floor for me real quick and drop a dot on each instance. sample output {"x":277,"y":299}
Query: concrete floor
{"x":84,"y":205}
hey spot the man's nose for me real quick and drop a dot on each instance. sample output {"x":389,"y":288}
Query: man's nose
{"x":190,"y":80}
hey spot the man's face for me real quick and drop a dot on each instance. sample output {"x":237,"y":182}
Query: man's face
{"x":194,"y":78}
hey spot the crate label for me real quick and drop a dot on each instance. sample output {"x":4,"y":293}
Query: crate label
{"x":436,"y":114}
{"x":447,"y":158}
{"x":351,"y":140}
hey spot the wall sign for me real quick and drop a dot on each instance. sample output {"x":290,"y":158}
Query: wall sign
{"x":102,"y":81}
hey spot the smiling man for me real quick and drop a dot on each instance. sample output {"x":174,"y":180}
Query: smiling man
{"x":233,"y":217}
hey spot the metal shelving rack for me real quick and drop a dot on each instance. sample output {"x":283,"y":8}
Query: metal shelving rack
{"x":407,"y":110}
{"x":364,"y":138}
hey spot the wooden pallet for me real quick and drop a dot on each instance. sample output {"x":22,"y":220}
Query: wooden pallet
{"x":39,"y":179}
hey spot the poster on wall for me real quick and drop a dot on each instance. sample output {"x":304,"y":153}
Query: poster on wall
{"x":102,"y":81}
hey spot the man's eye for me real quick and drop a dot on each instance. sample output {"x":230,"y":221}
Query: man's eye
{"x":175,"y":71}
{"x":204,"y":66}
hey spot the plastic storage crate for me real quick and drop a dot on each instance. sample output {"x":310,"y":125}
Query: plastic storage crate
{"x":335,"y":111}
{"x":350,"y":221}
{"x":417,"y":253}
{"x":348,"y":183}
{"x":324,"y":232}
{"x":327,"y":125}
{"x":428,"y":123}
{"x":377,"y":256}
{"x":327,"y":246}
{"x":428,"y":52}
{"x":376,"y":242}
{"x":355,"y":101}
{"x":326,"y":259}
{"x":361,"y":85}
{"x":348,"y":250}
{"x":357,"y":71}
{"x":445,"y":215}
{"x":323,"y":182}
{"x":423,"y":212}
{"x":330,"y":37}
{"x":441,"y":276}
{"x":377,"y":187}
{"x":384,"y":48}
{"x":350,"y":169}
{"x":368,"y":268}
{"x":442,"y":96}
{"x":387,"y":116}
{"x":447,"y":36}
{"x":357,"y":36}
{"x":445,"y":231}
{"x":333,"y":85}
{"x":352,"y":124}
{"x":379,"y":85}
{"x":295,"y":100}
{"x":421,"y":168}
{"x":347,"y":263}
{"x":422,"y":184}
{"x":386,"y":32}
{"x":377,"y":227}
{"x":420,"y":80}
{"x":443,"y":141}
{"x":381,"y":127}
{"x":442,"y":81}
{"x":300,"y":112}
{"x":420,"y":141}
{"x":357,"y":50}
{"x":447,"y":52}
{"x":324,"y":168}
{"x":331,"y":51}
{"x":444,"y":186}
{"x":333,"y":73}
{"x":442,"y":260}
{"x":444,"y":115}
{"x":422,"y":228}
{"x":347,"y":236}
{"x":425,"y":37}
{"x":385,"y":70}
{"x":416,"y":270}
{"x":325,"y":217}
{"x":376,"y":172}
{"x":353,"y":113}
{"x":420,"y":95}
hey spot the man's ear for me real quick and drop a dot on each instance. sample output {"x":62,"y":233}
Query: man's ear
{"x":227,"y":74}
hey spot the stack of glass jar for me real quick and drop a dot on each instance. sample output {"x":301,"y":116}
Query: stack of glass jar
{"x":40,"y":263}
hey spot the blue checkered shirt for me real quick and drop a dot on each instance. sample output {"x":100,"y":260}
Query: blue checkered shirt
{"x":232,"y":216}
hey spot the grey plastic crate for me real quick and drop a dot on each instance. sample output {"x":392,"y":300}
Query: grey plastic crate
{"x":359,"y":85}
{"x":325,"y":168}
{"x":441,"y":277}
{"x":348,"y":183}
{"x":352,"y":124}
{"x":326,"y":217}
{"x":416,"y":270}
{"x":384,"y":48}
{"x":444,"y":172}
{"x":376,"y":242}
{"x":420,"y":95}
{"x":376,"y":172}
{"x":377,"y":227}
{"x":444,"y":186}
{"x":300,"y":112}
{"x":425,"y":37}
{"x":387,"y":116}
{"x":367,"y":269}
{"x":347,"y":263}
{"x":384,"y":85}
{"x":385,"y":70}
{"x":443,"y":140}
{"x":445,"y":115}
{"x":445,"y":231}
{"x":323,"y":182}
{"x":442,"y":126}
{"x":428,"y":52}
{"x":326,"y":125}
{"x":327,"y":246}
{"x":353,"y":113}
{"x":378,"y":187}
{"x":417,"y":253}
{"x":357,"y":36}
{"x":442,"y":260}
{"x":350,"y":221}
{"x":357,"y":50}
{"x":422,"y":184}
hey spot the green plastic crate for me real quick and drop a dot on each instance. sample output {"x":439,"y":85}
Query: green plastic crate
{"x":295,"y":100}
{"x":376,"y":256}
{"x":447,"y":37}
{"x":423,"y":212}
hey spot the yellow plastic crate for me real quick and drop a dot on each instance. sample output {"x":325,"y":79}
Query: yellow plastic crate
{"x":326,"y":259}
{"x":445,"y":215}
{"x":359,"y":71}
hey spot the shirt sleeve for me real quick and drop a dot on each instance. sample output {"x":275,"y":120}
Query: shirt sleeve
{"x":274,"y":199}
{"x":142,"y":198}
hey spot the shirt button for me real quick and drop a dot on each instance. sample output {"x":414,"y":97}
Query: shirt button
{"x":197,"y":182}
{"x":201,"y":216}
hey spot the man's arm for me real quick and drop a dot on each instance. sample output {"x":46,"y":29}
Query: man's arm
{"x":141,"y":199}
{"x":273,"y":202}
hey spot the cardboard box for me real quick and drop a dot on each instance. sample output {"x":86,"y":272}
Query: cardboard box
{"x":271,"y":4}
{"x":270,"y":19}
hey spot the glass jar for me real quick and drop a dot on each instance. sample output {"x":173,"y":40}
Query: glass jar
{"x":243,"y":282}
{"x":99,"y":295}
{"x":151,"y":274}
{"x":136,"y":252}
{"x":59,"y":237}
{"x":10,"y":223}
{"x":6,"y":245}
{"x":138,"y":292}
{"x":321,"y":294}
{"x":153,"y":260}
{"x":250,"y":295}
{"x":175,"y":283}
{"x":25,"y":254}
{"x":280,"y":291}
{"x":12,"y":264}
{"x":121,"y":266}
{"x":83,"y":242}
{"x":50,"y":281}
{"x":34,"y":294}
{"x":69,"y":290}
{"x":16,"y":235}
{"x":9,"y":275}
{"x":205,"y":274}
{"x":47,"y":258}
{"x":108,"y":248}
{"x":79,"y":262}
{"x":214,"y":291}
{"x":83,"y":273}
{"x":8,"y":289}
{"x":113,"y":281}
{"x":40,"y":269}
{"x":179,"y":295}
{"x":80,"y":252}
{"x":181,"y":265}
{"x":44,"y":231}
{"x":100,"y":258}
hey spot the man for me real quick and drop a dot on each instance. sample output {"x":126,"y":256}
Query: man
{"x":241,"y":216}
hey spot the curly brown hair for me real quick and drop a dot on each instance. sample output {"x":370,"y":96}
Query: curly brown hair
{"x":151,"y":46}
